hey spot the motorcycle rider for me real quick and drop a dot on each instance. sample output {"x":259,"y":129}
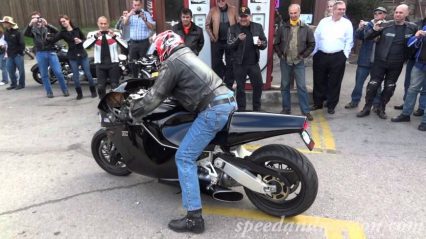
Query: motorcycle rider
{"x":76,"y":54}
{"x":42,"y":33}
{"x":191,"y":82}
{"x":106,"y":54}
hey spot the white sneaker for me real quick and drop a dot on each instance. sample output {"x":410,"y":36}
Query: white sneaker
{"x":2,"y":83}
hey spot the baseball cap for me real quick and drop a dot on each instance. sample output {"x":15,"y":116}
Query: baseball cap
{"x":382,"y":9}
{"x":244,"y":11}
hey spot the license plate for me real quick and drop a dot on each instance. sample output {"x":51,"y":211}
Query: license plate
{"x":309,"y":142}
{"x":154,"y":74}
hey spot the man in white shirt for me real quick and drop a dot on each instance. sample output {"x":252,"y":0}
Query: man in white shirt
{"x":334,"y":41}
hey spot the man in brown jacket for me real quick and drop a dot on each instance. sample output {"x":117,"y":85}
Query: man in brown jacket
{"x":219,"y":19}
{"x":294,"y":41}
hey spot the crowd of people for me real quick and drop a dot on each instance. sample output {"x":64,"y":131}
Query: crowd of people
{"x":235,"y":45}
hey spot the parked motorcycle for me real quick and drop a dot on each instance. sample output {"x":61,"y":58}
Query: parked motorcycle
{"x":61,"y":51}
{"x":277,"y":179}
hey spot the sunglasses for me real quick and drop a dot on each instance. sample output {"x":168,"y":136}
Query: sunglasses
{"x":221,"y":0}
{"x":378,"y":13}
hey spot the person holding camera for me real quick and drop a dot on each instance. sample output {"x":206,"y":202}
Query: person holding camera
{"x":389,"y":57}
{"x":42,"y":34}
{"x":141,"y":25}
{"x":365,"y":59}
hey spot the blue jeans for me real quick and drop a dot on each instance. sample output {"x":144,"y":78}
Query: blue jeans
{"x":84,"y":63}
{"x":418,"y":80}
{"x":202,"y":131}
{"x":44,"y":60}
{"x":13,"y":63}
{"x":5,"y":77}
{"x":408,"y":70}
{"x":302,"y":93}
{"x":361,"y":75}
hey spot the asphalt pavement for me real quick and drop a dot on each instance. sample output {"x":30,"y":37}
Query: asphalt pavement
{"x":372,"y":177}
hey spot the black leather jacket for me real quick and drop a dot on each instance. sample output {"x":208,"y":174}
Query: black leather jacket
{"x":386,"y":38}
{"x":42,"y":36}
{"x":194,"y":39}
{"x":238,"y":47}
{"x":184,"y":77}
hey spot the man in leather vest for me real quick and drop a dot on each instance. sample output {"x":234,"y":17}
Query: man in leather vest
{"x":194,"y":85}
{"x":219,"y":20}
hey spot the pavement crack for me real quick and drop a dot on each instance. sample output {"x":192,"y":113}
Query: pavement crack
{"x":74,"y":196}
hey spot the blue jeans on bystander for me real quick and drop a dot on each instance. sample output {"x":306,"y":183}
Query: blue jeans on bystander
{"x":417,"y":82}
{"x":5,"y":77}
{"x":302,"y":93}
{"x":84,"y":63}
{"x":13,"y":63}
{"x":44,"y":60}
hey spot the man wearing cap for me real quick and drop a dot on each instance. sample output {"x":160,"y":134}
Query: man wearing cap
{"x":15,"y":53}
{"x":389,"y":57}
{"x":294,"y":41}
{"x":218,"y":21}
{"x":245,"y":39}
{"x":365,"y":58}
{"x":333,"y":44}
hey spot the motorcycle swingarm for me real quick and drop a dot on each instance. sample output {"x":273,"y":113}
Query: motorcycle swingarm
{"x":241,"y":171}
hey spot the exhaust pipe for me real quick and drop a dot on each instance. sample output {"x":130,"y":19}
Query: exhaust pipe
{"x":219,"y":193}
{"x":226,"y":195}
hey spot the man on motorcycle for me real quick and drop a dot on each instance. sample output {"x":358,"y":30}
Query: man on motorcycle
{"x":192,"y":83}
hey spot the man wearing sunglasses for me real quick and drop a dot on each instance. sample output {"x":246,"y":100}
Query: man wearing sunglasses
{"x":219,"y":19}
{"x":365,"y":59}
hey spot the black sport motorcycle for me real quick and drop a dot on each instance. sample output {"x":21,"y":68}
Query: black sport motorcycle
{"x":277,"y":179}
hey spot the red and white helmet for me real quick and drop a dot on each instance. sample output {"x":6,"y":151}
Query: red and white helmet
{"x":165,"y":42}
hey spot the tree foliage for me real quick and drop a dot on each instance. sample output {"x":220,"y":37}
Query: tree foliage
{"x":357,"y":10}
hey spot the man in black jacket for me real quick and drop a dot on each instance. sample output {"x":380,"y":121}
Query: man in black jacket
{"x":15,"y":53}
{"x":42,"y":33}
{"x":245,"y":39}
{"x":191,"y":33}
{"x":193,"y":84}
{"x":390,"y":55}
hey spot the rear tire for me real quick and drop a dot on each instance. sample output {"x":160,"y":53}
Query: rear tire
{"x":106,"y":156}
{"x":294,"y":196}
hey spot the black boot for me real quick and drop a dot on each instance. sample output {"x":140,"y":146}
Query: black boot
{"x":93,"y":91}
{"x":192,"y":222}
{"x":79,"y":93}
{"x":382,"y":114}
{"x":364,"y":112}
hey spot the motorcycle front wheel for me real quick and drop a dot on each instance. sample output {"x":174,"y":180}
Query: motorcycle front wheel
{"x":106,"y":154}
{"x":37,"y":76}
{"x":296,"y":193}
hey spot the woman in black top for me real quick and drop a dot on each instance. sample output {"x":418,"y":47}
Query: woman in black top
{"x":77,"y":55}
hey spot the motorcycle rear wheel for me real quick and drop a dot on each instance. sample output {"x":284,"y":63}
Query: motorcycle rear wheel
{"x":295,"y":195}
{"x":106,"y":157}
